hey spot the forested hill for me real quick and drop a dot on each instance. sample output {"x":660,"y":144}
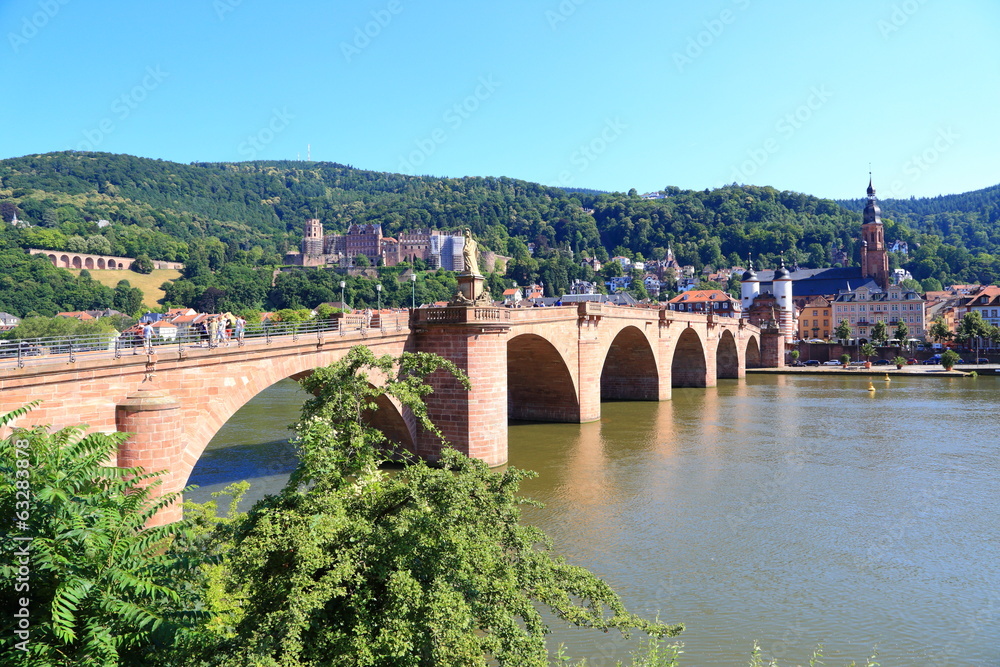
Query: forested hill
{"x":252,"y":212}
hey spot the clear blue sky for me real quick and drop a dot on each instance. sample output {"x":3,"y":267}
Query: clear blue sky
{"x":588,"y":93}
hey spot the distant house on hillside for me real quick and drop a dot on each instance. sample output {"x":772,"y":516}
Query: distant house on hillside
{"x":8,"y":321}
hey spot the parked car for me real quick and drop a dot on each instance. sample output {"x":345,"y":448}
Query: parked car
{"x":811,"y":362}
{"x":912,"y":361}
{"x":882,"y":362}
{"x":933,"y":359}
{"x":832,"y":362}
{"x":980,"y":360}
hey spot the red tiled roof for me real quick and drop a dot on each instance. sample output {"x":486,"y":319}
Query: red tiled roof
{"x":699,"y":296}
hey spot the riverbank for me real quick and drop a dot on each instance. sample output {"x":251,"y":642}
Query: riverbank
{"x":914,"y":370}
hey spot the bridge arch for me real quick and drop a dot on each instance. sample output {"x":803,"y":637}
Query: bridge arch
{"x":752,"y":354}
{"x":727,"y":357}
{"x":689,"y":367}
{"x":540,"y":386}
{"x":629,"y":371}
{"x":88,"y":263}
{"x":64,"y":262}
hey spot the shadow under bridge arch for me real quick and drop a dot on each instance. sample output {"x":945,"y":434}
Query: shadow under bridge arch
{"x":753,"y":353}
{"x":629,"y":372}
{"x":727,"y":357}
{"x":540,"y":386}
{"x":689,"y":368}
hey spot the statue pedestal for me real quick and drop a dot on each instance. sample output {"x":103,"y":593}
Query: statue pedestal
{"x":470,"y":291}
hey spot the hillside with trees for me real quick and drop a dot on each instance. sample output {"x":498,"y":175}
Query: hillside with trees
{"x":245,"y":216}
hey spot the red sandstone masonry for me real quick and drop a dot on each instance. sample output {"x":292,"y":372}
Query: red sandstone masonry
{"x":549,"y":361}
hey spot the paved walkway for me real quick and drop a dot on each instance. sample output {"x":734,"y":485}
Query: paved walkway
{"x":916,"y":369}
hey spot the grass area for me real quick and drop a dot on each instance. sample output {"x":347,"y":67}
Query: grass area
{"x":149,"y":284}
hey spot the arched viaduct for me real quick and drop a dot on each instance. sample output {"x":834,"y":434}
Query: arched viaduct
{"x":545,"y":364}
{"x":79,"y":260}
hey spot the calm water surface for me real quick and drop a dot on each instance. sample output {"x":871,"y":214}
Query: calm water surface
{"x":795,"y":510}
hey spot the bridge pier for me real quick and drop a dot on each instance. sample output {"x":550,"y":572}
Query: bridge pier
{"x":157,"y":443}
{"x":472,"y":421}
{"x":772,"y":348}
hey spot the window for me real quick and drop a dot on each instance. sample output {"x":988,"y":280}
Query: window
{"x":815,"y":313}
{"x":826,"y":323}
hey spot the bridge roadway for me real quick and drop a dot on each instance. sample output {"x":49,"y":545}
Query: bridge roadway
{"x":542,"y":364}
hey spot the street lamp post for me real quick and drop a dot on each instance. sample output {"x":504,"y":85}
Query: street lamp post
{"x":413,"y":291}
{"x":342,"y":286}
{"x":378,"y":288}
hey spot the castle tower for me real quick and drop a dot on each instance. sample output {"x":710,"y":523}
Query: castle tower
{"x":749,"y":288}
{"x":874,"y":255}
{"x":312,"y":238}
{"x":783,"y":293}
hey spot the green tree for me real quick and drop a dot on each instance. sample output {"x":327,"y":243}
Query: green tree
{"x":142,"y":264}
{"x":902,"y":332}
{"x":362,"y":261}
{"x":349,"y":565}
{"x":973,"y":329}
{"x":128,"y":299}
{"x":868,"y":350}
{"x":931,"y":285}
{"x":949,"y":358}
{"x":843,"y":330}
{"x":104,"y":587}
{"x":939,"y":331}
{"x":880,"y":333}
{"x":54,"y":327}
{"x":638,"y":289}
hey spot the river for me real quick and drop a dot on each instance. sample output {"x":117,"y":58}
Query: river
{"x":791,"y":510}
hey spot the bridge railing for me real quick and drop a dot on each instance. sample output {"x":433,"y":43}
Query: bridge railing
{"x":116,"y":344}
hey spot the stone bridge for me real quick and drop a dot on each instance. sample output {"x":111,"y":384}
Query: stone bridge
{"x":543,"y":364}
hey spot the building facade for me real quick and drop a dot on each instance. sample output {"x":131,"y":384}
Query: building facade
{"x":816,"y":319}
{"x":704,"y":301}
{"x":441,"y":250}
{"x":868,"y":304}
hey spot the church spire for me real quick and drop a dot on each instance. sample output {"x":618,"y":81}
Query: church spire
{"x":874,"y":255}
{"x":873,"y":214}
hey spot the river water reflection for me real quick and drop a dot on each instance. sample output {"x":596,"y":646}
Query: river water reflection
{"x":794,"y":510}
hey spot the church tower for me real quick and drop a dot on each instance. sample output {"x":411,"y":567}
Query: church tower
{"x":874,"y":255}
